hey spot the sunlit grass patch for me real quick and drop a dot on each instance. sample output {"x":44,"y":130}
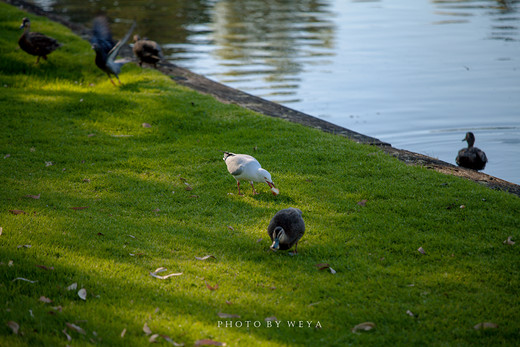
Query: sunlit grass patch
{"x":117,"y":200}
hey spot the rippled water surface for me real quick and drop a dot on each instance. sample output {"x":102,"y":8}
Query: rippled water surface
{"x":415,"y":73}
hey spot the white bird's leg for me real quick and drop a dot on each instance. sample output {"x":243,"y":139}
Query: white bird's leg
{"x":238,"y":185}
{"x":254,"y":191}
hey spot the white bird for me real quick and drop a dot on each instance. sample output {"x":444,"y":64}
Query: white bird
{"x":245,"y":167}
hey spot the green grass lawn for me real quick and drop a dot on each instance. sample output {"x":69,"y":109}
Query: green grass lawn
{"x":74,"y":140}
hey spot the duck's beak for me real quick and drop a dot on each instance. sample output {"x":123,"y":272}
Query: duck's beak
{"x":276,"y":244}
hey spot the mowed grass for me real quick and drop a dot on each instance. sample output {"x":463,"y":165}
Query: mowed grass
{"x":138,"y":216}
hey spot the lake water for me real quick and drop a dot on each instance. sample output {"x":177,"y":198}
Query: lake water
{"x":415,"y":73}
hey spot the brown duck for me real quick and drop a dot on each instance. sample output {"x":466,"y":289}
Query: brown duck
{"x":471,"y":157}
{"x":35,"y":43}
{"x":147,"y":51}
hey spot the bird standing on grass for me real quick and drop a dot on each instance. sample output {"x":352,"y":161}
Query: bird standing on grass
{"x":35,"y":43}
{"x":106,"y":50}
{"x":286,"y":229}
{"x":471,"y":157}
{"x":147,"y":51}
{"x":245,"y":167}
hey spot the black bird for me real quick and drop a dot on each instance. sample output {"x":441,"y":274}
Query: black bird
{"x":36,"y":44}
{"x":106,"y":49}
{"x":147,"y":51}
{"x":286,"y":229}
{"x":471,"y":157}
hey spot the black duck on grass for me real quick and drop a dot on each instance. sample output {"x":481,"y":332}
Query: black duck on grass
{"x":286,"y":229}
{"x":471,"y":157}
{"x":35,"y":43}
{"x":147,"y":51}
{"x":106,"y":50}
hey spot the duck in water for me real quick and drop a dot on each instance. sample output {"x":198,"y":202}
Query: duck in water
{"x":471,"y":157}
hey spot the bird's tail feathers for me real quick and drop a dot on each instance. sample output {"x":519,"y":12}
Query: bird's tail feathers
{"x":115,"y":50}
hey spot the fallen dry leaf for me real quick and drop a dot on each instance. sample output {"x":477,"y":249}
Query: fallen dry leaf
{"x":24,"y":246}
{"x":323,"y":266}
{"x":259,"y":240}
{"x":229,"y":302}
{"x":205,"y":257}
{"x":24,"y":279}
{"x":362,"y":202}
{"x":485,"y":325}
{"x":168,"y":339}
{"x":188,"y":187}
{"x":227,"y":315}
{"x":48,"y":163}
{"x":146,"y":125}
{"x":162,"y":269}
{"x":79,"y":208}
{"x":57,"y":308}
{"x":153,"y":338}
{"x":14,"y":326}
{"x":17,"y":212}
{"x":82,"y":293}
{"x":64,"y":331}
{"x":73,"y":286}
{"x":421,"y":250}
{"x":272,"y":318}
{"x":7,"y":156}
{"x":91,"y":135}
{"x":366,"y":326}
{"x":43,"y":267}
{"x":509,"y":241}
{"x":410,"y":313}
{"x":1,"y":230}
{"x":33,"y":196}
{"x":123,"y":333}
{"x":215,"y":287}
{"x":45,"y":300}
{"x":230,"y":228}
{"x":75,"y":328}
{"x":207,"y":342}
{"x":147,"y":329}
{"x":10,"y":263}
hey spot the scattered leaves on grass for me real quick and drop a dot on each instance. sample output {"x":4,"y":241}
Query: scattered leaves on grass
{"x":146,"y":125}
{"x":215,"y":287}
{"x":24,"y":246}
{"x":485,"y":325}
{"x":366,"y":326}
{"x":76,"y":328}
{"x":7,"y":156}
{"x":162,"y":269}
{"x":229,"y":302}
{"x":259,"y":240}
{"x":123,"y":333}
{"x":1,"y":230}
{"x":509,"y":240}
{"x":227,"y":315}
{"x":15,"y":212}
{"x":153,"y":338}
{"x":79,"y":208}
{"x":43,"y":267}
{"x":64,"y":331}
{"x":230,"y":228}
{"x":205,"y":257}
{"x":32,"y":196}
{"x":410,"y":313}
{"x":272,"y":318}
{"x":45,"y":299}
{"x":323,"y":266}
{"x":207,"y":342}
{"x":14,"y":326}
{"x":82,"y":293}
{"x":421,"y":250}
{"x":147,"y":329}
{"x":362,"y":202}
{"x":48,"y":163}
{"x":73,"y":286}
{"x":188,"y":187}
{"x":24,"y":279}
{"x":168,"y":339}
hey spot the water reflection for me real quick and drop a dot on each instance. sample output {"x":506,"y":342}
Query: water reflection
{"x":503,"y":12}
